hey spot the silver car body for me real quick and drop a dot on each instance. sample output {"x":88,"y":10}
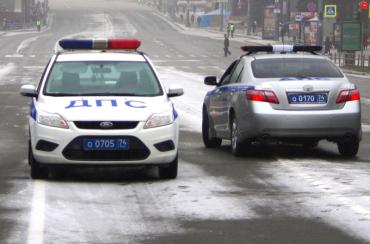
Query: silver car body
{"x":283,"y":120}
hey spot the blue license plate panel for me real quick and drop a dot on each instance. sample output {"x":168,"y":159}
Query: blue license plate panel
{"x":99,"y":144}
{"x":307,"y":98}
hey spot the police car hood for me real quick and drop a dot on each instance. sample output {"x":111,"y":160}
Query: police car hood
{"x":105,"y":108}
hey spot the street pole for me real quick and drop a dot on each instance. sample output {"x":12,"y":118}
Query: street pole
{"x":221,"y":16}
{"x":249,"y":17}
{"x":320,"y":11}
{"x":187,"y":13}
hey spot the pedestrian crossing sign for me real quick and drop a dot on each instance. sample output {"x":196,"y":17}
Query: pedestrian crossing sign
{"x":330,"y":11}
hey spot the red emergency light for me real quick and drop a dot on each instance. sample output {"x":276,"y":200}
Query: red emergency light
{"x":123,"y":44}
{"x":364,"y":5}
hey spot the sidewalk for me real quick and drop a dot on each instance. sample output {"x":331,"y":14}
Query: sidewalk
{"x":241,"y":37}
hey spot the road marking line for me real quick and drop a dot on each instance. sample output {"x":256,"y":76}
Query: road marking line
{"x":365,"y":128}
{"x":14,"y":56}
{"x":36,"y":224}
{"x":365,"y":100}
{"x":34,"y":67}
{"x":26,"y":43}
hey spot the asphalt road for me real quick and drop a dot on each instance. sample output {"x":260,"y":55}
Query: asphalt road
{"x":277,"y":194}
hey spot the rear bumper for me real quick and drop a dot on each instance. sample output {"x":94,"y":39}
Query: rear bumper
{"x":325,"y":124}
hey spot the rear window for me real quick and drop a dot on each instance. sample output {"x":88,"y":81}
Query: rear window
{"x":294,"y":67}
{"x":96,"y":78}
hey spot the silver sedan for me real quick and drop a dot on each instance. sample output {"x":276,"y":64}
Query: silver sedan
{"x":284,"y":94}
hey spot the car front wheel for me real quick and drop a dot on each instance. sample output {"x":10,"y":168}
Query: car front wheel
{"x":348,"y":148}
{"x":207,"y":132}
{"x":37,"y":172}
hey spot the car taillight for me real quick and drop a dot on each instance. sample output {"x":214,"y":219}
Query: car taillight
{"x":348,"y":95}
{"x":262,"y":96}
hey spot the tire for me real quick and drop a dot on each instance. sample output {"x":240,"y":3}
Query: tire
{"x":37,"y":172}
{"x":207,"y":132}
{"x":169,"y":171}
{"x":237,"y":146}
{"x":348,"y":148}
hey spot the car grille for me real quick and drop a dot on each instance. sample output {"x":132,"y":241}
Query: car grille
{"x":96,"y":125}
{"x":137,"y":151}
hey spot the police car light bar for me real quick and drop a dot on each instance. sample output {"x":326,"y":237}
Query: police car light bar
{"x":118,"y":44}
{"x":280,"y":48}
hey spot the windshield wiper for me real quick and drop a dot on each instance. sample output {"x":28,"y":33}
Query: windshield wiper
{"x":64,"y":94}
{"x":110,"y":94}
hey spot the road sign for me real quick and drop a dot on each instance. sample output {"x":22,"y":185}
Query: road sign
{"x":298,"y":17}
{"x":351,"y":36}
{"x":330,"y":11}
{"x":311,"y":6}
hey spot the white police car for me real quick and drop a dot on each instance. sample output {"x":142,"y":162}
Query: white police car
{"x":100,"y":102}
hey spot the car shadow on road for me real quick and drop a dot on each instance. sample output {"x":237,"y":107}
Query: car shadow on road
{"x":324,"y":151}
{"x":120,"y":175}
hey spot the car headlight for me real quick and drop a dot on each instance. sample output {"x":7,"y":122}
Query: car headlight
{"x":157,"y":120}
{"x":51,"y":119}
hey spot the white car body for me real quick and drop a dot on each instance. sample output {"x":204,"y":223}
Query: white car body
{"x":105,"y":129}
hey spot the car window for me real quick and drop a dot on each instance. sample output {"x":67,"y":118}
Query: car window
{"x":294,"y":67}
{"x":237,"y":71}
{"x":102,"y":78}
{"x":225,"y":79}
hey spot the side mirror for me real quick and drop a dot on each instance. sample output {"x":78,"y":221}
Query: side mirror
{"x":28,"y":91}
{"x":175,"y":91}
{"x":210,"y":80}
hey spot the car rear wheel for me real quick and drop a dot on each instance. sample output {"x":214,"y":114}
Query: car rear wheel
{"x":37,"y":172}
{"x":168,"y":171}
{"x":207,"y":132}
{"x":348,"y":148}
{"x":237,"y":146}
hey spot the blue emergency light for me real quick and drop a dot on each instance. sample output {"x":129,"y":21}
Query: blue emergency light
{"x":118,"y":44}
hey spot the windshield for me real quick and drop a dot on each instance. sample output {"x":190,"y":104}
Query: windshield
{"x":102,"y":78}
{"x":294,"y":67}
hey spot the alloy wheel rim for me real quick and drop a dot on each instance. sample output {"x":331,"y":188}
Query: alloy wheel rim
{"x":234,"y":135}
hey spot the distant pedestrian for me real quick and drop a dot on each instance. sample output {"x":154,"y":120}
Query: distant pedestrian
{"x":254,"y":27}
{"x":228,"y":29}
{"x":4,"y":24}
{"x":284,"y":30}
{"x":38,"y":25}
{"x":226,"y":45}
{"x":199,"y":19}
{"x":192,"y":18}
{"x":327,"y":45}
{"x":232,"y":30}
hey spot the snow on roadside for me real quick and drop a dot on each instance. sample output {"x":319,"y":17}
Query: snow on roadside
{"x":336,"y":193}
{"x":24,"y":44}
{"x":6,"y":70}
{"x":190,"y":104}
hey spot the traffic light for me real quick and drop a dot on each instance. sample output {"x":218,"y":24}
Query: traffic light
{"x":363,"y":5}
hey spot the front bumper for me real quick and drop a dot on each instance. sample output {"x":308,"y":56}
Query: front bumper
{"x":69,"y":148}
{"x":266,"y":122}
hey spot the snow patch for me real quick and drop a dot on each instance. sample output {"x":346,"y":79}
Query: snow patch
{"x":190,"y":104}
{"x":337,"y":193}
{"x":24,"y":44}
{"x":6,"y":70}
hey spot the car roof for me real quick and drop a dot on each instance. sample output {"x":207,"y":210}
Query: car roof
{"x":100,"y":56}
{"x":287,"y":55}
